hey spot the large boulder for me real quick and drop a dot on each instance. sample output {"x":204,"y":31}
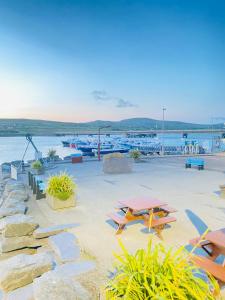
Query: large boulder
{"x":22,"y":269}
{"x":64,"y":245}
{"x":19,"y":208}
{"x":23,"y":293}
{"x":17,"y":225}
{"x":14,"y":185}
{"x":20,"y":194}
{"x":52,"y":285}
{"x":117,"y":165}
{"x":15,"y":243}
{"x":40,"y":233}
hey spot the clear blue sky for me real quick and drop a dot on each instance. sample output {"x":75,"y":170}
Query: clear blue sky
{"x":83,"y":60}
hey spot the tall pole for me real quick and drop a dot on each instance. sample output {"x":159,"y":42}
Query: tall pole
{"x":212,"y":146}
{"x":99,"y":144}
{"x":163,"y":127}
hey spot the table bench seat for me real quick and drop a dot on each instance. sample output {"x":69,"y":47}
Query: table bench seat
{"x":162,"y":221}
{"x":168,"y":209}
{"x":119,"y":220}
{"x":218,"y":271}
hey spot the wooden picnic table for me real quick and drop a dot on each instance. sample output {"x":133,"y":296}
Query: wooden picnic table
{"x":213,"y":243}
{"x":143,"y":208}
{"x":142,"y":203}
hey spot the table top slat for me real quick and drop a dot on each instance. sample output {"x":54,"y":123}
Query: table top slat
{"x":142,"y":203}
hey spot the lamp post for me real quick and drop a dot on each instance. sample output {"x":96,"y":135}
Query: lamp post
{"x":163,"y":127}
{"x":99,"y":140}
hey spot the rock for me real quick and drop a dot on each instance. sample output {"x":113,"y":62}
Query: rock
{"x":23,"y":293}
{"x":57,"y":287}
{"x":10,"y":211}
{"x":13,"y":185}
{"x":74,"y":269}
{"x":12,"y":202}
{"x":14,"y":243}
{"x":20,"y":194}
{"x":51,"y":230}
{"x":18,"y":225}
{"x":64,"y":246}
{"x":22,"y":269}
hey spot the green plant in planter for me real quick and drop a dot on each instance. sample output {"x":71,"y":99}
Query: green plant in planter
{"x":158,"y":273}
{"x":37,"y":165}
{"x":135,"y":154}
{"x":61,"y":186}
{"x":51,"y":153}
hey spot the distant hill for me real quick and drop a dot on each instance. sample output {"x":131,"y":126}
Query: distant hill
{"x":20,"y":127}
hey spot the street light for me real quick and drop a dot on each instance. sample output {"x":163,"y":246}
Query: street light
{"x":99,"y":139}
{"x":163,"y":119}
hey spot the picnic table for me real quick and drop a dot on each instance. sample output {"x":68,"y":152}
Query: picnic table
{"x":152,"y":211}
{"x":214,"y":245}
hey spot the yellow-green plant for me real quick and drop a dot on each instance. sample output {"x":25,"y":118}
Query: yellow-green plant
{"x":51,"y":153}
{"x":158,"y":273}
{"x":135,"y":154}
{"x":61,"y":186}
{"x":37,"y":165}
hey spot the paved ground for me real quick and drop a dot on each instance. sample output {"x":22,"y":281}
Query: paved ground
{"x":194,"y":193}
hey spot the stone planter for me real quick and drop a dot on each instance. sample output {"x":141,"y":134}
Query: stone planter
{"x":222,"y":191}
{"x":117,"y":165}
{"x":56,"y":203}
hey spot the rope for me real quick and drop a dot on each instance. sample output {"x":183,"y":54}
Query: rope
{"x":23,"y":155}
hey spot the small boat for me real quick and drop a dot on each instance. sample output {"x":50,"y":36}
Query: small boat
{"x":66,"y":143}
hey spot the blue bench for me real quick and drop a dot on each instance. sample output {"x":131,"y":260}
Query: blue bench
{"x":195,"y":162}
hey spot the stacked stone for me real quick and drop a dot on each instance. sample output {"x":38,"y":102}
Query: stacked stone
{"x":13,"y":198}
{"x":48,"y":274}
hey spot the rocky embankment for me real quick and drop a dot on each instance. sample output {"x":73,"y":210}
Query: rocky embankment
{"x":36,"y":263}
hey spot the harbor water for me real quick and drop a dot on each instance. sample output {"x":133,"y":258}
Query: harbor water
{"x":13,"y":148}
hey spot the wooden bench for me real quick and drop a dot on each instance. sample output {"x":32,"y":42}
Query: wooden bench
{"x":190,"y":162}
{"x":158,"y":224}
{"x":218,"y":271}
{"x":119,"y":220}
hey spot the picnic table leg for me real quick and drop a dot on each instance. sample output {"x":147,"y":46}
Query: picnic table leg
{"x":120,"y":228}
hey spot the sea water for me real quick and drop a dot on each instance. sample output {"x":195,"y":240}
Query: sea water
{"x":13,"y":148}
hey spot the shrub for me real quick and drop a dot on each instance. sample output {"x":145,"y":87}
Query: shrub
{"x":113,"y":155}
{"x":157,"y":273}
{"x":51,"y":153}
{"x":135,"y":154}
{"x":61,"y":186}
{"x":37,"y":165}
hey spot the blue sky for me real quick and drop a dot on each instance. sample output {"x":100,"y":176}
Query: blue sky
{"x":86,"y":60}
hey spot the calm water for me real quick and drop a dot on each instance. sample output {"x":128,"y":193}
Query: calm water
{"x":12,"y":148}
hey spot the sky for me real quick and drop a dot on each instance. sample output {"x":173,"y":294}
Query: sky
{"x":80,"y":60}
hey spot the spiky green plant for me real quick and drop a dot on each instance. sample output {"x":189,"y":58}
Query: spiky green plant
{"x":61,"y":186}
{"x":135,"y":154}
{"x":37,"y":165}
{"x":51,"y":153}
{"x":160,"y":274}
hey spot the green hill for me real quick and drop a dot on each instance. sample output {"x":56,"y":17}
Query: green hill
{"x":20,"y":127}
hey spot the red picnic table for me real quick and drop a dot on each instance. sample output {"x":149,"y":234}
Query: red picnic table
{"x":214,"y":245}
{"x":153,"y":211}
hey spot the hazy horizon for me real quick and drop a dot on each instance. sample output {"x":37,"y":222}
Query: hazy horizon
{"x":80,"y":61}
